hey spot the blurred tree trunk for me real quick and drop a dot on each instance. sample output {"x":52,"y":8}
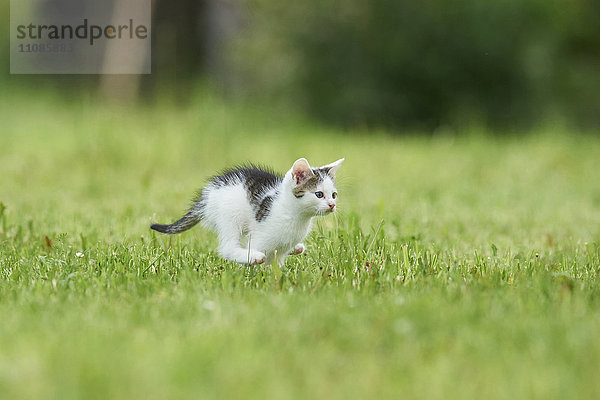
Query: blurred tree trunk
{"x":178,"y":52}
{"x":223,"y":21}
{"x":122,"y":87}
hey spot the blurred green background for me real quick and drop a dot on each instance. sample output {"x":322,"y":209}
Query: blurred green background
{"x":464,"y":259}
{"x":507,"y":65}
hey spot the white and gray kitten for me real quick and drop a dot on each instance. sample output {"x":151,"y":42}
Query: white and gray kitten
{"x":259,"y":215}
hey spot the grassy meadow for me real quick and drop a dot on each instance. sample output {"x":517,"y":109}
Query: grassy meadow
{"x":457,"y":267}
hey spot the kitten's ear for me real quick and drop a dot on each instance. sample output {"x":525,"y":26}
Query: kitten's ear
{"x":331,"y":168}
{"x":301,"y":172}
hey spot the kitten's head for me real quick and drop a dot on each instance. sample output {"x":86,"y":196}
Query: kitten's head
{"x":314,"y":188}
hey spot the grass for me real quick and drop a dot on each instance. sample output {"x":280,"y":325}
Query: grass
{"x":458,"y":266}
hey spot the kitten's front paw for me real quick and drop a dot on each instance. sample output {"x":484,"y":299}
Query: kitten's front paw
{"x":298,"y":249}
{"x":256,"y":257}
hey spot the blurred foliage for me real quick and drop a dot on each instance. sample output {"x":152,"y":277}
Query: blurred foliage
{"x":508,"y":63}
{"x":401,"y":65}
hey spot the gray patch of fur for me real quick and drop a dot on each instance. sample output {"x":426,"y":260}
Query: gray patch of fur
{"x":257,"y":181}
{"x":311,"y":184}
{"x":264,"y":208}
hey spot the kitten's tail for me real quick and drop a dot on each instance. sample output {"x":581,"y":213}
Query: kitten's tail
{"x":186,"y":222}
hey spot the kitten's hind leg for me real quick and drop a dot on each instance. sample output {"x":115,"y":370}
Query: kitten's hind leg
{"x":230,"y":231}
{"x":233,"y":252}
{"x":298,"y":249}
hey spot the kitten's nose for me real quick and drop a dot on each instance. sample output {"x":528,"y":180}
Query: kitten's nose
{"x":331,"y":206}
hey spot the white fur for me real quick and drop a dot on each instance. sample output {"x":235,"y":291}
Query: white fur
{"x":242,"y":239}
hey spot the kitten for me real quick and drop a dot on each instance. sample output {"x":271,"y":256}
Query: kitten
{"x":259,"y":215}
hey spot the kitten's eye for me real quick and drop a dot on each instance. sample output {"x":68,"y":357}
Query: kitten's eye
{"x":334,"y":195}
{"x":319,"y":195}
